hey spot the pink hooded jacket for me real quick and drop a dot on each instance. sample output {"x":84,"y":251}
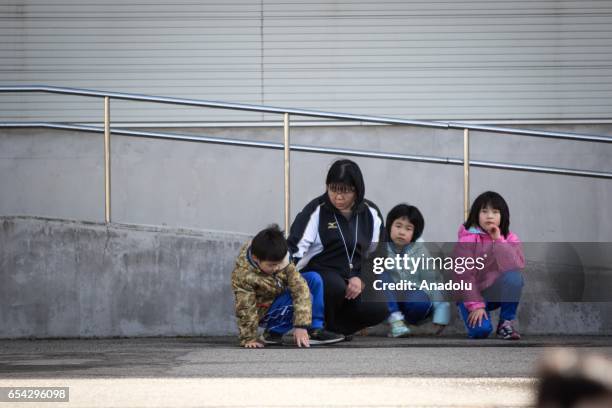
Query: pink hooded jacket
{"x":474,"y":242}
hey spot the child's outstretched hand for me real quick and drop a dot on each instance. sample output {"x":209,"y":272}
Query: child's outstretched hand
{"x":476,"y":316}
{"x":301,"y":337}
{"x":253,"y":344}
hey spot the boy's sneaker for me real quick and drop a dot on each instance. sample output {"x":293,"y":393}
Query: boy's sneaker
{"x":322,"y":336}
{"x":506,"y":331}
{"x":399,"y":329}
{"x":272,"y":338}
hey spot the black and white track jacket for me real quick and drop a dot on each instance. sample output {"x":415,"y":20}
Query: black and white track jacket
{"x":315,"y":242}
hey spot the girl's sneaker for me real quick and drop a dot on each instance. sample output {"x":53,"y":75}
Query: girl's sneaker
{"x":506,"y":331}
{"x":399,"y":329}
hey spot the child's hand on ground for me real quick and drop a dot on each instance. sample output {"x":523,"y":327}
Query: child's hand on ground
{"x":439,"y":328}
{"x":354,"y":288}
{"x":476,"y":316}
{"x":494,"y":232}
{"x":253,"y":344}
{"x":301,"y":337}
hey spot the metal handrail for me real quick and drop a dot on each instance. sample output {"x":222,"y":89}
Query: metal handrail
{"x":311,"y":149}
{"x":219,"y":105}
{"x":304,"y":112}
{"x":466,"y":162}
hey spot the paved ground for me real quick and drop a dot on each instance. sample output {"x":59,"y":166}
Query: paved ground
{"x":369,"y":371}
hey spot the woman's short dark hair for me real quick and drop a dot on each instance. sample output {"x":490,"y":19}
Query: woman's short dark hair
{"x":347,"y":172}
{"x":414,"y":216}
{"x":270,"y":244}
{"x":495,"y":201}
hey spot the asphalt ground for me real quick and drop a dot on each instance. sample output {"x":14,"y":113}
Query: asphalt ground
{"x":213,"y":371}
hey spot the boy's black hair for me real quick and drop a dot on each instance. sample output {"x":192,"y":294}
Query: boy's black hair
{"x":269,"y":244}
{"x":494,"y":200}
{"x":414,"y":216}
{"x":347,"y":172}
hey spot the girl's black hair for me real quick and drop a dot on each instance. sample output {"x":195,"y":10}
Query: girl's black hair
{"x":495,"y":201}
{"x":414,"y":216}
{"x":347,"y":172}
{"x":269,"y":244}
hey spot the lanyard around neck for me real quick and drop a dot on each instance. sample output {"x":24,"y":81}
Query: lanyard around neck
{"x":348,"y":257}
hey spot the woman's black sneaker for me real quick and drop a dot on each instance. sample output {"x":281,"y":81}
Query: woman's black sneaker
{"x":322,"y":336}
{"x":272,"y":338}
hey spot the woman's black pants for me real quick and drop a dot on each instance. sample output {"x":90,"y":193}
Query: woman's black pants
{"x":346,"y":316}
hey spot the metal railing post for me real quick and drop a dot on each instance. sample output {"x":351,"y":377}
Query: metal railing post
{"x":287,"y":169}
{"x":107,"y":175}
{"x":466,"y":173}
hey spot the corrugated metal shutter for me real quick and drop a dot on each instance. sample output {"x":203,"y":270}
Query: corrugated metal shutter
{"x":192,"y":49}
{"x":460,"y":60}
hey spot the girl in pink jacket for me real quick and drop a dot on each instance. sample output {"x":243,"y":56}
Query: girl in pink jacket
{"x":495,"y":280}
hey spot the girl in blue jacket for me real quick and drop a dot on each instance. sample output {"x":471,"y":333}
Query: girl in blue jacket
{"x":405,"y":226}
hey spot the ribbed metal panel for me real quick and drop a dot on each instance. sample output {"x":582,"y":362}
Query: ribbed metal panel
{"x":456,"y":60}
{"x":193,"y":49}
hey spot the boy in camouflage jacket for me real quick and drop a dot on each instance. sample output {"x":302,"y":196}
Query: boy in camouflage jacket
{"x":270,"y":292}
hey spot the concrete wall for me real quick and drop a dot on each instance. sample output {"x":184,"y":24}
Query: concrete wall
{"x":59,"y":174}
{"x":73,"y":279}
{"x":86,"y":279}
{"x":76,"y":279}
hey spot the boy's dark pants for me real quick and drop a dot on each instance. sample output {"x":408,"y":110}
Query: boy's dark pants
{"x":279,"y":317}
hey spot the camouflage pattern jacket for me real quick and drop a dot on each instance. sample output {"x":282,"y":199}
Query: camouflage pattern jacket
{"x":255,"y":290}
